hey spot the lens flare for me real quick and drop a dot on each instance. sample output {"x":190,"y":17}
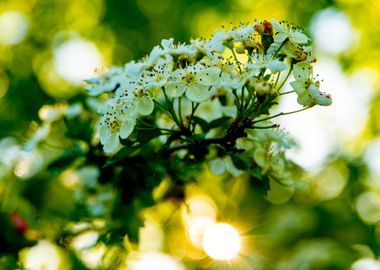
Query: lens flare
{"x":221,"y":241}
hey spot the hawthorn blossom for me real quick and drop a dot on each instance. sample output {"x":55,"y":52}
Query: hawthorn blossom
{"x":307,"y":88}
{"x":108,"y":80}
{"x":194,"y":81}
{"x":286,"y":30}
{"x":224,"y":83}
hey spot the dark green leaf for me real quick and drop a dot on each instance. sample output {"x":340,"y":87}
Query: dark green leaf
{"x":219,"y":122}
{"x":202,"y":123}
{"x":147,"y":134}
{"x":123,"y":153}
{"x":258,"y":181}
{"x":240,"y":162}
{"x":267,"y":77}
{"x":67,"y":158}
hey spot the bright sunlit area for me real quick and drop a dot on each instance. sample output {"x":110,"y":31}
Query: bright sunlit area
{"x":76,"y":60}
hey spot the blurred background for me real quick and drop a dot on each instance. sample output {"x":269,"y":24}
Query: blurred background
{"x":329,"y":220}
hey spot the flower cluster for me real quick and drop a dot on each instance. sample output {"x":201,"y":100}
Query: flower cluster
{"x":243,"y":70}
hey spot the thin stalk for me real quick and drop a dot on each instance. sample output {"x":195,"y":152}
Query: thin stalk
{"x":180,"y":111}
{"x":279,"y":48}
{"x":242,"y":99}
{"x":171,"y":110}
{"x":265,"y":127}
{"x":160,"y":105}
{"x":154,"y":128}
{"x":194,"y":107}
{"x":278,"y":77}
{"x":237,"y":100}
{"x":250,"y":98}
{"x":237,"y":61}
{"x":286,"y":78}
{"x":285,"y":93}
{"x":280,"y":114}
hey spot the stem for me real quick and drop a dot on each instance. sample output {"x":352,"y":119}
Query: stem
{"x":154,"y":128}
{"x":141,"y":121}
{"x":279,"y":48}
{"x":280,"y":114}
{"x":4,"y":190}
{"x":160,"y":105}
{"x":242,"y":99}
{"x":278,"y":77}
{"x":209,"y":141}
{"x":286,"y":78}
{"x":180,"y":111}
{"x":250,"y":98}
{"x":266,"y":127}
{"x":288,"y":92}
{"x":194,"y":107}
{"x":237,"y":61}
{"x":237,"y":99}
{"x":171,"y":110}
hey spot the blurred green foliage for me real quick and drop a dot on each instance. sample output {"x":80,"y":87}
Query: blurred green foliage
{"x":323,"y":226}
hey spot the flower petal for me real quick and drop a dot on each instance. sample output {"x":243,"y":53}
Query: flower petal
{"x":302,"y":71}
{"x":197,"y":93}
{"x":276,"y":25}
{"x":112,"y":143}
{"x":280,"y":37}
{"x":145,"y":105}
{"x":276,"y":65}
{"x":298,"y":37}
{"x":209,"y":76}
{"x":298,"y":86}
{"x":175,"y":89}
{"x":305,"y":100}
{"x":127,"y":127}
{"x":319,"y":97}
{"x":103,"y":133}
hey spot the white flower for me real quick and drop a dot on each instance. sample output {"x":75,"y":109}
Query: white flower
{"x":244,"y":33}
{"x":119,"y":120}
{"x":194,"y":80}
{"x":212,"y":109}
{"x":298,"y":52}
{"x":157,"y":77}
{"x":306,"y":88}
{"x":169,"y":47}
{"x":219,"y":41}
{"x":205,"y":47}
{"x":154,"y":56}
{"x":134,"y":69}
{"x":260,"y":61}
{"x":106,"y":81}
{"x":289,"y":31}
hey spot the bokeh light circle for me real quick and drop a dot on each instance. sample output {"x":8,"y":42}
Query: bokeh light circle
{"x":221,"y":241}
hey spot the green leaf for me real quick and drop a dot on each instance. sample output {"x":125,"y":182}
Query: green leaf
{"x":202,"y":123}
{"x":267,"y":77}
{"x":223,"y":100}
{"x":259,"y":182}
{"x":240,"y":162}
{"x":67,"y":158}
{"x":123,"y":153}
{"x":268,"y":104}
{"x":221,"y":121}
{"x":147,"y":134}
